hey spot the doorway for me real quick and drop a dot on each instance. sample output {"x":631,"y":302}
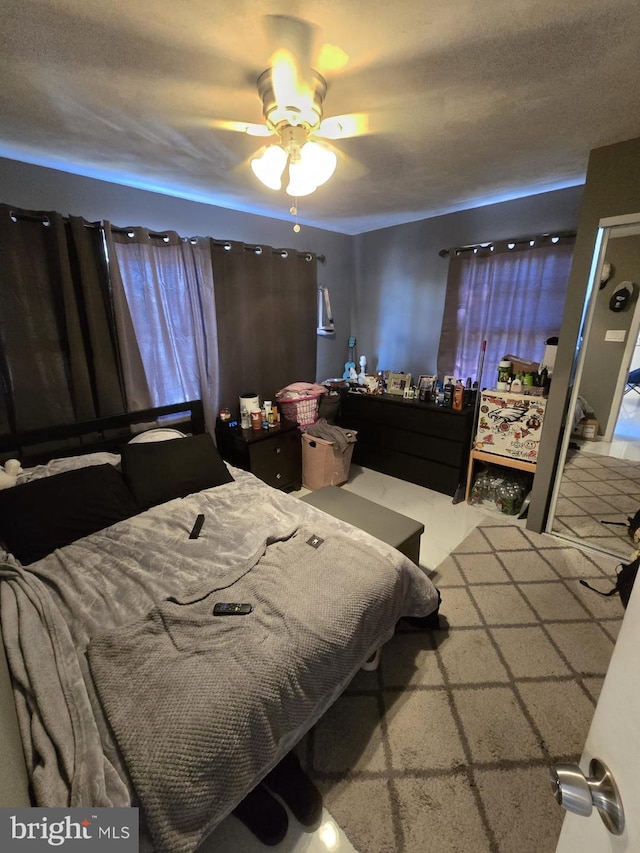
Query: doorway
{"x":624,"y":440}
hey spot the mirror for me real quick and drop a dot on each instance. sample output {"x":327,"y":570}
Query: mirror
{"x":597,"y":486}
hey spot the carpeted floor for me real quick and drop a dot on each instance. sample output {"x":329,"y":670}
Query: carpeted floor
{"x":594,"y":489}
{"x":446,"y":747}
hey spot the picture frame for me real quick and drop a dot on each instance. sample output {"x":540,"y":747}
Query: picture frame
{"x":397,"y":383}
{"x":426,"y":383}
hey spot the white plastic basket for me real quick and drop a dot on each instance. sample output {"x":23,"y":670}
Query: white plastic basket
{"x":301,"y":410}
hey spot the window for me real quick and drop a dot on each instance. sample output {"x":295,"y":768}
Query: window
{"x":511,"y":296}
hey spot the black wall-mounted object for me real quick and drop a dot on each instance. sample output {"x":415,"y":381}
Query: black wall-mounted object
{"x":623,"y":295}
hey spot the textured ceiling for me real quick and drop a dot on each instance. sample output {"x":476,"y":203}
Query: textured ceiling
{"x":467,"y":103}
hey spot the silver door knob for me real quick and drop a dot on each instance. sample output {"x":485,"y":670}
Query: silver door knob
{"x":579,"y":794}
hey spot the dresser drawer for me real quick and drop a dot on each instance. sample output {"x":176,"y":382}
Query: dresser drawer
{"x":439,"y":423}
{"x":277,"y":460}
{"x":408,"y":439}
{"x":274,"y":455}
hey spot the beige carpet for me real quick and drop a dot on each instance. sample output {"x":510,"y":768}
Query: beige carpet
{"x":446,"y":747}
{"x":594,"y":489}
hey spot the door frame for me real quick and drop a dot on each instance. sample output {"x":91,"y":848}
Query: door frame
{"x":623,"y":375}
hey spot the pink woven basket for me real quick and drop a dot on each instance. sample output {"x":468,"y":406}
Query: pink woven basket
{"x":301,"y":410}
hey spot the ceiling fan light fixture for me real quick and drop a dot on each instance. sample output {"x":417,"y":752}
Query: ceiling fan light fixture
{"x":269,"y":166}
{"x":318,"y":160}
{"x":310,"y":169}
{"x":300,"y":182}
{"x":292,"y":107}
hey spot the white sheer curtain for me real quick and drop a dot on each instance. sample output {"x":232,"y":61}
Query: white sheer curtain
{"x":513,"y":299}
{"x":166,"y":319}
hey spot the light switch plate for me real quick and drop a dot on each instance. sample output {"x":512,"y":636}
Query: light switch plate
{"x":615,"y":335}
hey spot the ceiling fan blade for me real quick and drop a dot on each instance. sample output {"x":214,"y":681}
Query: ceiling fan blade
{"x":344,"y":126}
{"x":258,"y":130}
{"x":239,"y":126}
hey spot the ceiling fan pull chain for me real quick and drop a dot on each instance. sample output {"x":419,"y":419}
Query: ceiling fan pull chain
{"x":293,"y":210}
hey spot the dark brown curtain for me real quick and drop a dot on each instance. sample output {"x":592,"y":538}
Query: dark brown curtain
{"x":266,"y":307}
{"x":58,"y":352}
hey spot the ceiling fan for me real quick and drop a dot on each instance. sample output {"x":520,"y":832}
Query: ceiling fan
{"x":299,"y":154}
{"x":292,"y":105}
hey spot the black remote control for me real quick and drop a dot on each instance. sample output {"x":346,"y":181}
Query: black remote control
{"x":197,"y":527}
{"x":231,"y":609}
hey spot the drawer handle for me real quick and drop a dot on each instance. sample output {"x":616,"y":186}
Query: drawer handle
{"x":278,"y":450}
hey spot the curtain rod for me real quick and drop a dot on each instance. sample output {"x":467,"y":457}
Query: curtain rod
{"x":130,"y":232}
{"x":36,"y":216}
{"x":43,"y":218}
{"x":226,"y":244}
{"x":485,"y":249}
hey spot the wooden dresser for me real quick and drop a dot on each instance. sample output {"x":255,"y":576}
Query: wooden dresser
{"x":418,"y":442}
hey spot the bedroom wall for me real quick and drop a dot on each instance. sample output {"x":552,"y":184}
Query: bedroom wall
{"x":400,"y":280}
{"x":387,"y":287}
{"x":39,"y":188}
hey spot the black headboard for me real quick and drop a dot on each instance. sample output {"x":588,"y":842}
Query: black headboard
{"x":36,"y":446}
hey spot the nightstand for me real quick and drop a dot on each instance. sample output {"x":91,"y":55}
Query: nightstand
{"x":274,"y":455}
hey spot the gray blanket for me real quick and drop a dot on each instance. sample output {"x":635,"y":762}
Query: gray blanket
{"x":123,"y":577}
{"x":262,"y":679}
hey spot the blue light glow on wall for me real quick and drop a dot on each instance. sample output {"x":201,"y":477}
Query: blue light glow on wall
{"x":121,"y":178}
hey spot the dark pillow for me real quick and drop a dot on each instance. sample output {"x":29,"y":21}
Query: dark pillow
{"x":45,"y":514}
{"x":161,"y":471}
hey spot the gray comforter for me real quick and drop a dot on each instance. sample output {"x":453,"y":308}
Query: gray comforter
{"x":201,"y":707}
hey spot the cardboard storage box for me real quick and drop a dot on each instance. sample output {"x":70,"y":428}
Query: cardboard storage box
{"x":521,"y":365}
{"x":588,"y":428}
{"x":510,"y":424}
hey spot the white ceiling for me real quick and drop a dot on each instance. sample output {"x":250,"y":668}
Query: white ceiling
{"x":468,"y":101}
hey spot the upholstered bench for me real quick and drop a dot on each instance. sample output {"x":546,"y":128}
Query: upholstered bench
{"x":391,"y":527}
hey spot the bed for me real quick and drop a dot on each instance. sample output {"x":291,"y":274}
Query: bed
{"x":128,"y":690}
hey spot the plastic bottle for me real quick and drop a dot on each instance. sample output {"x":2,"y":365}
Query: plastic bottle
{"x":467,"y":394}
{"x":504,"y":374}
{"x":448,"y":395}
{"x":458,"y":396}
